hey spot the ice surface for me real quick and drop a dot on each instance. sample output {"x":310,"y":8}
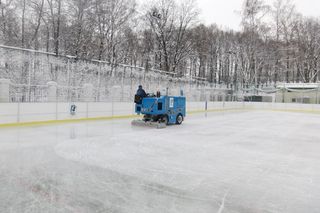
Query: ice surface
{"x":222,"y":162}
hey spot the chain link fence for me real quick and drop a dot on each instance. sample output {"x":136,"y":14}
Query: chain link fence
{"x":30,"y":71}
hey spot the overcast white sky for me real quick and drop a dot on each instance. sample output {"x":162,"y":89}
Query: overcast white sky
{"x":224,"y":12}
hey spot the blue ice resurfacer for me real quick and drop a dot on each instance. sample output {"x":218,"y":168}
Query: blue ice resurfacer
{"x":159,"y":111}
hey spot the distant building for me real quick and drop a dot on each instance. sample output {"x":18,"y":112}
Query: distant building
{"x":308,"y":93}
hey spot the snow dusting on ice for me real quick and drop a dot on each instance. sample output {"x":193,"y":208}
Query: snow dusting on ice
{"x":220,"y":162}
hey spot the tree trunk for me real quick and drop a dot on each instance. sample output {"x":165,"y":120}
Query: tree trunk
{"x":23,"y":24}
{"x":57,"y":31}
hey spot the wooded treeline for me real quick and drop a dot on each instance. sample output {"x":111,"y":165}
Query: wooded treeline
{"x":276,"y":43}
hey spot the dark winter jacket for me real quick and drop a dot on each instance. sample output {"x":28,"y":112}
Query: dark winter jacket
{"x":141,"y":93}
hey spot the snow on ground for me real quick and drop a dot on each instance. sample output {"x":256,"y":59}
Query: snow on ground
{"x":241,"y":161}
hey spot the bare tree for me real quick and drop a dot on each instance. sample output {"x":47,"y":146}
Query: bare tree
{"x":111,"y":19}
{"x":38,"y":7}
{"x":271,"y":47}
{"x":55,"y":17}
{"x":285,"y":22}
{"x":79,"y":37}
{"x":170,"y":23}
{"x":252,"y":20}
{"x":9,"y":26}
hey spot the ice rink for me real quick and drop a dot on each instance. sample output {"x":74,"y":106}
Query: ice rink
{"x":235,"y":161}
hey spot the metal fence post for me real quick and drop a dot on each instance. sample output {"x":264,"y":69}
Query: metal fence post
{"x":316,"y":101}
{"x":224,"y":100}
{"x":87,"y":109}
{"x":57,"y":110}
{"x":99,"y":82}
{"x":112,"y":106}
{"x":18,"y":113}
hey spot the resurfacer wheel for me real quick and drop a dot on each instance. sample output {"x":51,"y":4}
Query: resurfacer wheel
{"x":179,"y":119}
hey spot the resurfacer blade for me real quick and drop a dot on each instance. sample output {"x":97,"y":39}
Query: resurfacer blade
{"x":148,"y":124}
{"x":161,"y":125}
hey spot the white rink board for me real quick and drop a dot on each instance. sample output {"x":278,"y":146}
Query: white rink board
{"x":30,"y":112}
